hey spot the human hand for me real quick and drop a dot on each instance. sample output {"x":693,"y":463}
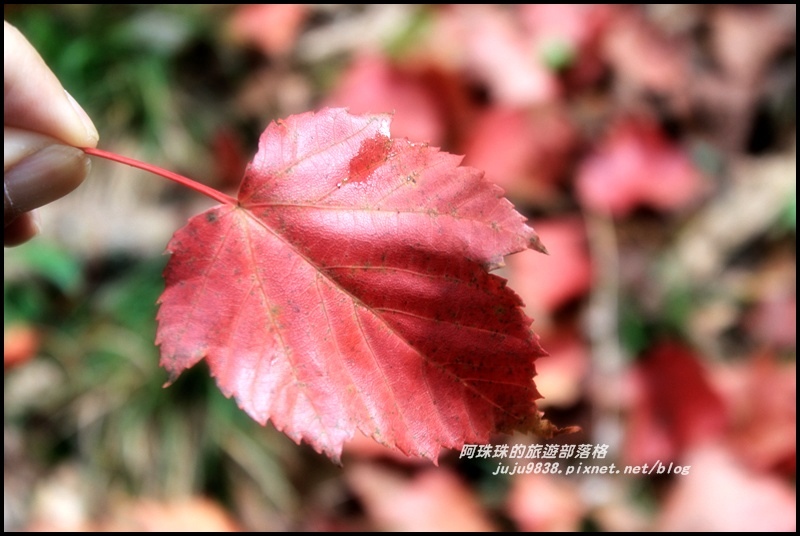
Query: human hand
{"x":42,"y":128}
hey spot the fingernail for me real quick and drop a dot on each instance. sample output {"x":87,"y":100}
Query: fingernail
{"x":43,"y":177}
{"x":91,"y":131}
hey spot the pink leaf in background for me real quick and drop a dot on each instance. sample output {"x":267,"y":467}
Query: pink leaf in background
{"x":272,"y":28}
{"x":524,"y":152}
{"x":545,"y":503}
{"x":636,"y":165}
{"x":491,"y":32}
{"x":372,"y":84}
{"x":677,"y":406}
{"x":432,"y":500}
{"x":721,"y":495}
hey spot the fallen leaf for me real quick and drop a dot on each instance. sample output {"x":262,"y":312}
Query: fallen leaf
{"x":372,"y":84}
{"x":492,"y":31}
{"x":526,"y":153}
{"x":272,"y":28}
{"x":746,"y":39}
{"x":677,"y":406}
{"x":636,"y":165}
{"x":567,"y":37}
{"x":545,"y":503}
{"x":761,"y":396}
{"x":774,"y":320}
{"x":434,"y":500}
{"x":643,"y":57}
{"x":719,"y":494}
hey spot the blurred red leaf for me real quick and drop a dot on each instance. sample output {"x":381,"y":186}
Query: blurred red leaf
{"x":431,"y":501}
{"x":20,"y":343}
{"x":524,"y":152}
{"x":774,"y":320}
{"x":721,"y":495}
{"x":576,"y":24}
{"x":643,"y":57}
{"x":348,"y":289}
{"x":761,"y":395}
{"x":676,"y":407}
{"x":636,"y":165}
{"x":373,"y":84}
{"x":568,"y":36}
{"x":537,"y":42}
{"x":746,"y":38}
{"x":272,"y":28}
{"x":492,"y":31}
{"x":545,"y":503}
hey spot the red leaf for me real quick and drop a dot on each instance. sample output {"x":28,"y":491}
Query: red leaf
{"x":761,"y":395}
{"x":434,"y":500}
{"x":642,"y":56}
{"x":568,"y":36}
{"x":637,"y":165}
{"x":525,"y":153}
{"x":546,"y":503}
{"x":677,"y":408}
{"x":272,"y":28}
{"x":489,"y":32}
{"x":348,"y":289}
{"x":372,"y":83}
{"x":721,"y":494}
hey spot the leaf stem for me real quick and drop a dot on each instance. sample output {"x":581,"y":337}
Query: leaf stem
{"x":180,"y":179}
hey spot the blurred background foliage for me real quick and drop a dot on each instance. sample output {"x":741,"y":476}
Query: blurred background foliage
{"x":653,"y":147}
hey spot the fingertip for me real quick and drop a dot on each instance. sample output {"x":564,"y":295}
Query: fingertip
{"x":43,"y":177}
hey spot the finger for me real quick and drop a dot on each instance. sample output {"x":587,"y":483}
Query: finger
{"x":37,"y":173}
{"x":20,"y":144}
{"x":33,"y":98}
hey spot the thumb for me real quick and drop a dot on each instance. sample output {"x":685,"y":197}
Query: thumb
{"x":37,"y":170}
